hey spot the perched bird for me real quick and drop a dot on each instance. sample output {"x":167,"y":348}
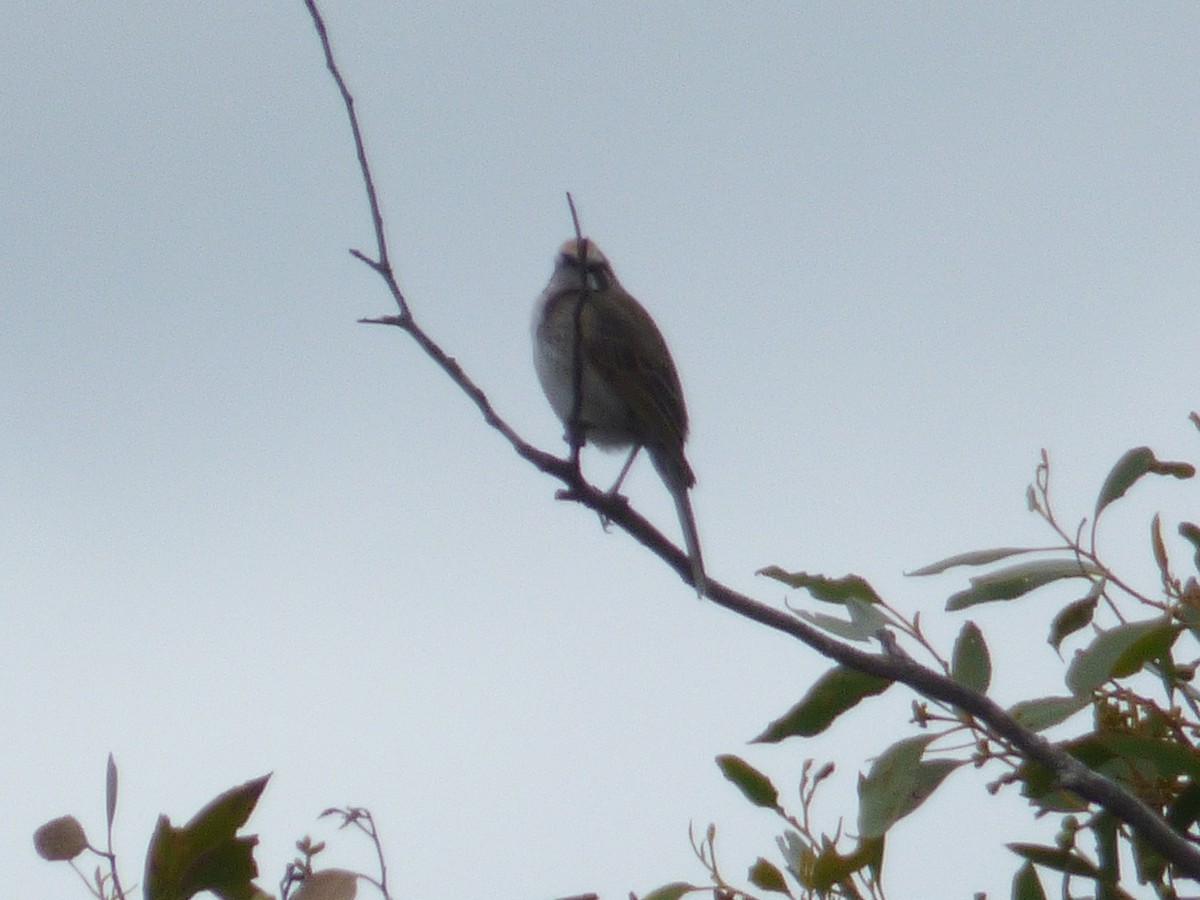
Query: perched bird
{"x":631,"y":396}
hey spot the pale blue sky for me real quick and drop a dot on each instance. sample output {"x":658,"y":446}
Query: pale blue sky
{"x":896,"y":249}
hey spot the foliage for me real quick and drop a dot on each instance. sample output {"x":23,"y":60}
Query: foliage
{"x":208,"y":855}
{"x":1135,"y":655}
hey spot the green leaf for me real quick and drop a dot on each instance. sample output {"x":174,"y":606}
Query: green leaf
{"x":1016,"y":581}
{"x":971,"y":558}
{"x":829,"y":868}
{"x":1118,"y":653}
{"x":1129,"y":468}
{"x":830,"y":590}
{"x":1184,"y":810}
{"x":1170,"y":759}
{"x":1046,"y":712}
{"x":870,"y":855}
{"x":849,"y":631}
{"x":766,"y":876}
{"x":970,"y":664}
{"x":836,"y":691}
{"x":672,"y":891}
{"x":206,"y":854}
{"x":886,"y":793}
{"x":1098,"y":752}
{"x":796,"y":854}
{"x":865,"y":621}
{"x":1150,"y":866}
{"x":110,"y":791}
{"x":1027,"y":885}
{"x":1054,"y":858}
{"x":1090,"y":750}
{"x":1191,"y":532}
{"x":1160,"y":548}
{"x":930,"y":774}
{"x":1075,"y":616}
{"x":754,"y":784}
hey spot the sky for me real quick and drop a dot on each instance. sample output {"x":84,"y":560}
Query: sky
{"x":896,"y":250}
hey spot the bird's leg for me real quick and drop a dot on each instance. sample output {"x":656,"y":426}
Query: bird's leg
{"x":575,"y":439}
{"x":624,"y":470}
{"x":613,"y":491}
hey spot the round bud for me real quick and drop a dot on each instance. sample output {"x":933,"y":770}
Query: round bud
{"x":60,"y":839}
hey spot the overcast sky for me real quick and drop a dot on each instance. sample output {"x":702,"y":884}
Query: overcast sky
{"x":896,"y":249}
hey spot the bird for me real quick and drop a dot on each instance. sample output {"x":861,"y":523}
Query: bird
{"x":631,"y":394}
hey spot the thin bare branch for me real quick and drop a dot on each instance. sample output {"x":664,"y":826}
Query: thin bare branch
{"x":381,"y":265}
{"x":574,"y":217}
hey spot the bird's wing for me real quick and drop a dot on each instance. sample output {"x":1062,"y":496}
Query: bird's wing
{"x":624,"y":345}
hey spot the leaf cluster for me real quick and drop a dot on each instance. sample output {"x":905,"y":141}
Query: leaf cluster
{"x":1134,"y":657}
{"x":208,"y":855}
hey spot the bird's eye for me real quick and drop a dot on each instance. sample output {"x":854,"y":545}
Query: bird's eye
{"x":596,"y":275}
{"x":596,"y":278}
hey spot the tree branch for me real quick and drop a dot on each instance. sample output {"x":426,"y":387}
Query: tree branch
{"x":1069,"y":772}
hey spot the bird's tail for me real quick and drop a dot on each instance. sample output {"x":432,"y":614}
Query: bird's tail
{"x":683,"y":506}
{"x":675,"y":472}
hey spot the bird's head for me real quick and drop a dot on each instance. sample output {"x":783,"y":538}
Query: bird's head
{"x":581,"y":264}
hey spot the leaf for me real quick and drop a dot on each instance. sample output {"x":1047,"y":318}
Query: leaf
{"x":797,"y":856}
{"x":865,"y":621}
{"x":1095,"y":752}
{"x":1168,"y":758}
{"x":1118,"y":653}
{"x":1041,"y":787}
{"x":1056,"y":859}
{"x":1016,"y":581}
{"x":836,"y":691}
{"x":328,"y":884}
{"x":829,"y":868}
{"x":1160,"y":549}
{"x":970,"y":664}
{"x":110,"y":791}
{"x":1027,"y":885}
{"x":1075,"y":616}
{"x":756,"y":786}
{"x":1184,"y":810}
{"x":829,"y":590}
{"x":870,"y":854}
{"x":1046,"y":712}
{"x":1090,"y":750}
{"x":766,"y":876}
{"x":206,"y":854}
{"x":1150,"y":866}
{"x":849,"y":631}
{"x":971,"y":558}
{"x":930,"y":775}
{"x":885,"y":793}
{"x":1191,"y":532}
{"x":672,"y":891}
{"x":1129,"y":468}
